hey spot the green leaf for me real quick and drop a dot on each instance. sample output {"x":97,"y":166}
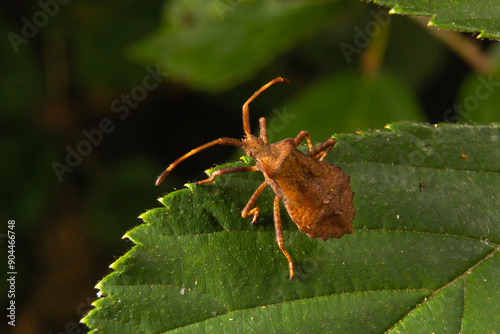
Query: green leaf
{"x":424,"y":255}
{"x":216,"y":44}
{"x":471,"y":16}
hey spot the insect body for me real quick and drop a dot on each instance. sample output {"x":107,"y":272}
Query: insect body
{"x":315,"y":193}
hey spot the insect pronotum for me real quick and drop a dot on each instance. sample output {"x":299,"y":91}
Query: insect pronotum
{"x":315,"y":193}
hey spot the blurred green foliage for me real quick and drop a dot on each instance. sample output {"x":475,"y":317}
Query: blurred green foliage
{"x":471,"y":16}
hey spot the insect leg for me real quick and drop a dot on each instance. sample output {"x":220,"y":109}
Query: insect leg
{"x":322,"y":150}
{"x":300,"y":137}
{"x":227,"y":171}
{"x":263,"y":129}
{"x":319,"y":152}
{"x":279,"y":234}
{"x":220,"y":141}
{"x":247,"y":211}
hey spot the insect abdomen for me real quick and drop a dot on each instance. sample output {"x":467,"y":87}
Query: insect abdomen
{"x":321,"y":203}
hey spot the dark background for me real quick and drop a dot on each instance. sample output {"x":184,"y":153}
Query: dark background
{"x":64,"y":81}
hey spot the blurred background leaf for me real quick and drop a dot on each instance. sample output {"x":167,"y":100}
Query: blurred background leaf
{"x":234,"y":39}
{"x":358,"y":98}
{"x":67,"y":68}
{"x":471,"y":16}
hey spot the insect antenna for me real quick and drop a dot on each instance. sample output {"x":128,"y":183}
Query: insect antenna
{"x":220,"y":141}
{"x":246,"y":117}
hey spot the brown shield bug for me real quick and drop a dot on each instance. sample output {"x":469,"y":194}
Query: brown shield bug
{"x":315,"y":193}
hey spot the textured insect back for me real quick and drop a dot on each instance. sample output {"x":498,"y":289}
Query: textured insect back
{"x":332,"y":215}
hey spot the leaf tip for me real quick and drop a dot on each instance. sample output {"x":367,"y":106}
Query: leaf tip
{"x":209,"y":171}
{"x":126,"y":236}
{"x":161,"y":200}
{"x":98,"y":286}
